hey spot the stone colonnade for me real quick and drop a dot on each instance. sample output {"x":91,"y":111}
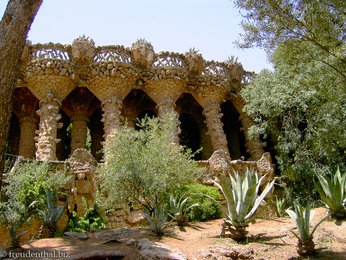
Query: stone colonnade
{"x":110,"y":73}
{"x":49,"y":117}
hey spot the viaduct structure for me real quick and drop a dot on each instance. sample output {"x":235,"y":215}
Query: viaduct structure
{"x":73,"y":96}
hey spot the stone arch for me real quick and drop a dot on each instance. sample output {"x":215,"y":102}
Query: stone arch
{"x":137,"y":104}
{"x":25,"y":106}
{"x":191,"y":115}
{"x":79,"y":105}
{"x":233,"y":130}
{"x":190,"y":135}
{"x":95,"y":126}
{"x":13,"y":135}
{"x":63,"y":147}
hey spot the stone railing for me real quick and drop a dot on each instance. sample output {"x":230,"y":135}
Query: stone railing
{"x":170,"y":59}
{"x":167,"y":65}
{"x":117,"y":54}
{"x":248,"y":77}
{"x":50,"y":51}
{"x":49,"y":59}
{"x":58,"y":59}
{"x":216,"y":68}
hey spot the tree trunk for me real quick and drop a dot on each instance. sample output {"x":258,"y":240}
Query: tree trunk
{"x":14,"y":28}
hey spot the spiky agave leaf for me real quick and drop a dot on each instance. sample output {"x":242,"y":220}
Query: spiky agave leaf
{"x":261,"y":197}
{"x":157,"y":222}
{"x":332,"y":192}
{"x":178,"y":208}
{"x":302,"y":217}
{"x":242,"y":196}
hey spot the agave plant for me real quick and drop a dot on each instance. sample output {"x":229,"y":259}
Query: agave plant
{"x":157,"y":220}
{"x":14,"y":216}
{"x":51,"y":215}
{"x":333,"y":192}
{"x":179,"y":207}
{"x":243,"y":198}
{"x":303,"y":217}
{"x":281,"y":206}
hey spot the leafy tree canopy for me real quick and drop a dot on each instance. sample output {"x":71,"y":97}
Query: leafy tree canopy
{"x":300,"y":106}
{"x":143,"y":166}
{"x":321,"y":23}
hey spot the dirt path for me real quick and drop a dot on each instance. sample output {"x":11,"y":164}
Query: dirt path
{"x":268,"y":239}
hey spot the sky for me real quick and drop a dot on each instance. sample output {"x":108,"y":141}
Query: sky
{"x":209,"y":26}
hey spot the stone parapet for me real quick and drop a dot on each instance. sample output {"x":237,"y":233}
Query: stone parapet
{"x":114,"y":70}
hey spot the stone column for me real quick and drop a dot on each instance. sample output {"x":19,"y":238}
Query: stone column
{"x":254,"y":145}
{"x":167,"y":106}
{"x":111,"y":118}
{"x":213,"y":116}
{"x":79,"y":131}
{"x":46,"y":138}
{"x":28,"y":126}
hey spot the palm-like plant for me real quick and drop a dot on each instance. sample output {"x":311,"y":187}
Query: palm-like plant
{"x":333,"y":192}
{"x":303,"y":217}
{"x":243,"y":198}
{"x":179,"y":207}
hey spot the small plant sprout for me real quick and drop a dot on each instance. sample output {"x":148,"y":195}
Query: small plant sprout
{"x":281,"y":206}
{"x":303,"y":217}
{"x":157,"y":220}
{"x":179,"y":207}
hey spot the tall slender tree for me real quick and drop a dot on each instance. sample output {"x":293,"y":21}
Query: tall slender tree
{"x":14,"y":27}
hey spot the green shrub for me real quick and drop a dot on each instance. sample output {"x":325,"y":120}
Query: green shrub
{"x":144,"y":167}
{"x":24,"y":192}
{"x":207,"y":197}
{"x":91,"y":221}
{"x":28,"y":181}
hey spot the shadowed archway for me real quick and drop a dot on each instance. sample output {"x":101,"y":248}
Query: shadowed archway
{"x":232,"y":128}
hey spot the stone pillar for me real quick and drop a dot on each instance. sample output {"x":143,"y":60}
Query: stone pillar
{"x":213,"y":116}
{"x":46,"y":138}
{"x":28,"y":126}
{"x":165,"y":107}
{"x":111,"y":108}
{"x":254,"y":145}
{"x":79,"y":131}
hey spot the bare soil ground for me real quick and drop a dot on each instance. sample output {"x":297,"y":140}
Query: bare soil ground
{"x":268,"y":239}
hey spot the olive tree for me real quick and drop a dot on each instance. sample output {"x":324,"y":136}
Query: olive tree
{"x":300,"y":106}
{"x":143,"y":166}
